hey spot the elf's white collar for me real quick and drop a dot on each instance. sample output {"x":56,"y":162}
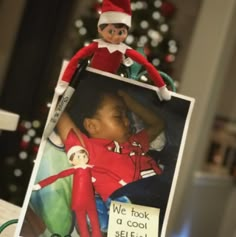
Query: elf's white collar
{"x":112,"y":47}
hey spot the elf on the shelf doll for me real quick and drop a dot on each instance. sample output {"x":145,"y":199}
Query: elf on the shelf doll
{"x":83,"y":199}
{"x":109,"y":52}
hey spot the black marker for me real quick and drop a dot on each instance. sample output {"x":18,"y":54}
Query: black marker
{"x":65,"y":99}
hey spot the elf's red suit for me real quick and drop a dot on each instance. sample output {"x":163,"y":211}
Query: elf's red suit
{"x":108,"y":57}
{"x":83,"y":200}
{"x":83,"y":197}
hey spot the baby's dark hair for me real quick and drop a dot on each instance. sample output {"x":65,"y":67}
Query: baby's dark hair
{"x":87,"y":100}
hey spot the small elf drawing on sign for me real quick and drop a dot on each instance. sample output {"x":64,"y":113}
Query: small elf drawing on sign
{"x":109,"y":52}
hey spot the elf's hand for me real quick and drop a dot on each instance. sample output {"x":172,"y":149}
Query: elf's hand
{"x":36,"y":187}
{"x":164,"y":93}
{"x":61,"y":87}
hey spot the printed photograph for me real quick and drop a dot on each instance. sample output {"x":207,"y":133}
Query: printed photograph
{"x":111,"y":141}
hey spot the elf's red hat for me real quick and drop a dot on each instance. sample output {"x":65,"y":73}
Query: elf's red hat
{"x":115,"y":11}
{"x":73,"y":144}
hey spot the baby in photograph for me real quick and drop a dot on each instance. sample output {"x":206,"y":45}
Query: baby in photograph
{"x":101,"y":120}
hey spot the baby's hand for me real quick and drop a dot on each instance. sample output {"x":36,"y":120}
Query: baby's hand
{"x":36,"y":187}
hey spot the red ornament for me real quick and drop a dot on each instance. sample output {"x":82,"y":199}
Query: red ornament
{"x":147,"y":50}
{"x":169,"y":58}
{"x":167,"y":9}
{"x":21,"y":128}
{"x":35,"y":149}
{"x":24,"y":145}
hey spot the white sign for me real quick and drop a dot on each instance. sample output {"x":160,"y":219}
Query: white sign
{"x":129,"y":220}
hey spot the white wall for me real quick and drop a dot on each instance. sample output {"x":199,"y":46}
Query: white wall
{"x":227,"y":100}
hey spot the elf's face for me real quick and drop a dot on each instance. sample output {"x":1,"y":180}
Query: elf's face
{"x":113,"y":34}
{"x":80,"y":157}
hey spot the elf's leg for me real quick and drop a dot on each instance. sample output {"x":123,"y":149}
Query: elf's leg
{"x":93,"y":217}
{"x":82,"y":223}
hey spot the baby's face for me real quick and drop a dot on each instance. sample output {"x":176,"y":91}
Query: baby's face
{"x":80,"y":157}
{"x":112,"y":120}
